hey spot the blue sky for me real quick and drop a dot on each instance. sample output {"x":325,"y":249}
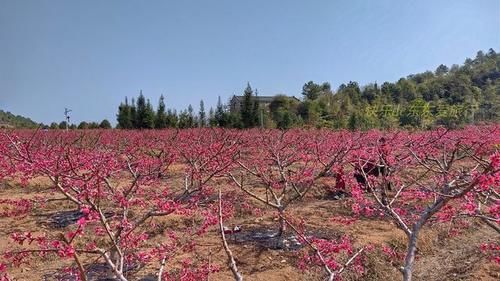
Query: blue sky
{"x":89,"y":55}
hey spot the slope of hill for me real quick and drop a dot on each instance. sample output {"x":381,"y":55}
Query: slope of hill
{"x":460,"y":94}
{"x":9,"y":120}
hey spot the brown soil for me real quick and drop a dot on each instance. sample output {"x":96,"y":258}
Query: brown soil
{"x":458,"y":258}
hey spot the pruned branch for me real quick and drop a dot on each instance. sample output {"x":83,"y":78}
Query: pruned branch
{"x":231,"y":262}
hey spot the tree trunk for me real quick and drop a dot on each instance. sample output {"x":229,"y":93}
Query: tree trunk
{"x":410,"y":256}
{"x":281,"y":230}
{"x":282,"y":223}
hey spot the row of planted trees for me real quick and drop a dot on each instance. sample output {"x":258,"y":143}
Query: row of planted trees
{"x":124,"y":183}
{"x":104,"y":124}
{"x":140,"y":114}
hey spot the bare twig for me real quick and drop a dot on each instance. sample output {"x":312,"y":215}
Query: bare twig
{"x":232,"y":263}
{"x":331,"y":273}
{"x":162,"y":265}
{"x":350,"y":260}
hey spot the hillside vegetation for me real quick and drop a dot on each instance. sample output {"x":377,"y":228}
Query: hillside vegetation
{"x":450,"y":96}
{"x":9,"y":120}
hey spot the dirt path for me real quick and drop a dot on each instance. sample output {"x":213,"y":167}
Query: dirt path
{"x":452,"y":259}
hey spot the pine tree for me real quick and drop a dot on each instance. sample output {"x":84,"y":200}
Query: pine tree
{"x":149,"y":116}
{"x":141,"y":111}
{"x":202,"y":118}
{"x":220,"y":114}
{"x":184,"y":120}
{"x":128,"y":115}
{"x":120,"y":117}
{"x":124,"y":117}
{"x":190,"y":118}
{"x":212,"y":121}
{"x":353,"y":123}
{"x":133,"y":115}
{"x":247,"y":108}
{"x":255,"y":111}
{"x":161,"y":116}
{"x":171,"y":119}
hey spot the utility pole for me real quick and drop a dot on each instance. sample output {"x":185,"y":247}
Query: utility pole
{"x":66,"y":114}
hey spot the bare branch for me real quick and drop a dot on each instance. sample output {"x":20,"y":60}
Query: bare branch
{"x":232,"y":263}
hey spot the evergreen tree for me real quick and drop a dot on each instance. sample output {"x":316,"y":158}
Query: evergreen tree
{"x":184,"y":120}
{"x":233,"y":120}
{"x":133,"y":115}
{"x":310,"y":112}
{"x":124,"y":117}
{"x":370,"y":93}
{"x":212,"y":121}
{"x":83,"y":125}
{"x":105,"y":124}
{"x":353,"y":122}
{"x":247,"y":108}
{"x":129,"y":122}
{"x":161,"y":116}
{"x":416,"y":115}
{"x":202,"y":119}
{"x":256,"y":112}
{"x":190,"y":117}
{"x":441,"y":70}
{"x":220,"y":114}
{"x":283,"y":112}
{"x":141,"y":112}
{"x":149,"y":116}
{"x":94,"y":125}
{"x":171,"y":119}
{"x":407,"y":90}
{"x":312,"y":91}
{"x":62,"y":125}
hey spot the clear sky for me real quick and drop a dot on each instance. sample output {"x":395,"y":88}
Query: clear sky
{"x":89,"y":55}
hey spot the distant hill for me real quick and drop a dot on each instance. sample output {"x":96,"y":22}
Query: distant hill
{"x":9,"y":120}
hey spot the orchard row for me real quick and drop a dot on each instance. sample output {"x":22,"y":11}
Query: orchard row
{"x":123,"y":182}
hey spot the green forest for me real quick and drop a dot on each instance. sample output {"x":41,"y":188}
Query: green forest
{"x":448,"y":96}
{"x":9,"y":120}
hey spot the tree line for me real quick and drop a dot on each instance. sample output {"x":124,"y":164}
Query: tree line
{"x":9,"y":120}
{"x":84,"y":125}
{"x":449,"y":96}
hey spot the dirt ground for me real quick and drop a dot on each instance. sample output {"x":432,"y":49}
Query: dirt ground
{"x":458,"y":258}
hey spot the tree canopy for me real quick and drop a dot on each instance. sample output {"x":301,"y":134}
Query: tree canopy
{"x":450,"y":95}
